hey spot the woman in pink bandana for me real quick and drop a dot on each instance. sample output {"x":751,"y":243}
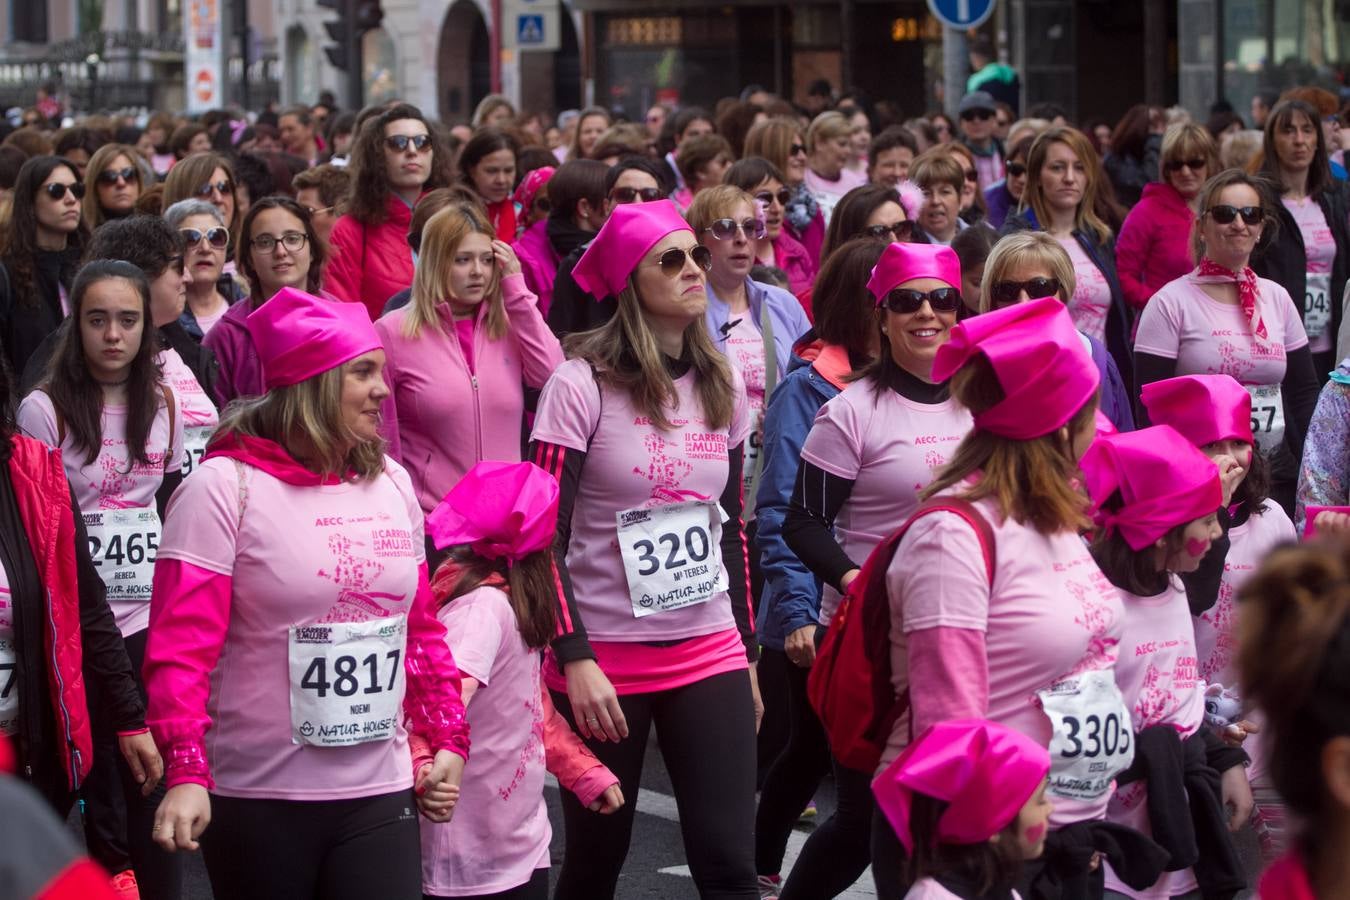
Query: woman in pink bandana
{"x":1222,"y":319}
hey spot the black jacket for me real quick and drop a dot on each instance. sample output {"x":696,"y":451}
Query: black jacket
{"x":25,"y":322}
{"x":573,"y":310}
{"x":1062,"y":871}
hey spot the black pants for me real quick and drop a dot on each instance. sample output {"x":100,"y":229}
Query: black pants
{"x":795,"y":774}
{"x":776,"y":728}
{"x":117,"y":819}
{"x":534,"y":889}
{"x":310,"y":849}
{"x":838,"y":851}
{"x":706,"y":732}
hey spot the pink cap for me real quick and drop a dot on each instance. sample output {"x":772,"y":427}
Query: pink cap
{"x":629,"y":232}
{"x":1040,"y":360}
{"x":985,"y":771}
{"x":298,"y":335}
{"x":1204,"y":408}
{"x":903,"y":262}
{"x":502,"y":510}
{"x":529,"y":186}
{"x":1163,"y":480}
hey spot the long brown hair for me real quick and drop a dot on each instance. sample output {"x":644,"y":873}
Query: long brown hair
{"x":21,"y":246}
{"x":368,"y":201}
{"x":94,"y":214}
{"x":1319,"y":171}
{"x":992,"y":865}
{"x":529,"y":586}
{"x":190,"y":173}
{"x":1086,"y":219}
{"x":318,"y":250}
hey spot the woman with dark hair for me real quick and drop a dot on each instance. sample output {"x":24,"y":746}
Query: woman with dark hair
{"x":395,"y":159}
{"x":761,"y":179}
{"x":1309,"y":253}
{"x":487,"y":164}
{"x":782,"y":142}
{"x":210,"y":177}
{"x":46,"y":235}
{"x":881,"y":213}
{"x":576,"y":198}
{"x":1132,"y":160}
{"x":106,"y":406}
{"x":112,"y":184}
{"x":1004,"y":196}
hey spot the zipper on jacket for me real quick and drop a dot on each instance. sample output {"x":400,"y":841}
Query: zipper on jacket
{"x":61,"y":702}
{"x":477,"y":417}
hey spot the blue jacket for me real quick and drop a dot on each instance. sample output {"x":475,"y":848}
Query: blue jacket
{"x":785,"y":313}
{"x":791,"y":596}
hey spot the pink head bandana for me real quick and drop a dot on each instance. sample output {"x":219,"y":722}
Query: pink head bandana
{"x":1249,"y":289}
{"x":985,"y":771}
{"x":904,"y":262}
{"x":299,"y":335}
{"x":1044,"y":370}
{"x":530,"y":185}
{"x":1163,"y":480}
{"x":629,"y":232}
{"x":1204,"y":408}
{"x":502,"y":510}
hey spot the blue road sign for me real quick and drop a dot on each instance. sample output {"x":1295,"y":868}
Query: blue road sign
{"x":961,"y":13}
{"x":529,"y":30}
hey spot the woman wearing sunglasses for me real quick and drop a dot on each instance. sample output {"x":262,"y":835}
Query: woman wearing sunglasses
{"x":645,"y":428}
{"x":46,"y":236}
{"x":1309,"y":253}
{"x":1222,"y":318}
{"x":1005,"y":195}
{"x":1154,"y":246}
{"x":761,"y":180}
{"x":973,"y":210}
{"x":112,"y":184}
{"x":781,"y":142}
{"x":1030,"y":265}
{"x":882,"y":214}
{"x":209,"y":177}
{"x":205,"y":243}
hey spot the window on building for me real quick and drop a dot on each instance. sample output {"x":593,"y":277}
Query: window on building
{"x":30,"y":22}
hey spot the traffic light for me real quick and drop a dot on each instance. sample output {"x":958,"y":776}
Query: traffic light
{"x":355,"y":18}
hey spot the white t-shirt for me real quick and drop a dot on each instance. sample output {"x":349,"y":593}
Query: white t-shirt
{"x":929,"y":889}
{"x":1091,"y":300}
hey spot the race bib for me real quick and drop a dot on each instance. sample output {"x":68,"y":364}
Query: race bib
{"x":346,"y":681}
{"x":1267,"y":415}
{"x":754,"y":445}
{"x":123,"y":544}
{"x":1317,"y":305}
{"x":195,"y":438}
{"x":1092,"y":737}
{"x":671,"y":555}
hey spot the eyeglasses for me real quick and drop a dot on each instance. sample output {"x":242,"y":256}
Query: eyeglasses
{"x":56,"y":190}
{"x":216,"y":236}
{"x":725,"y":229}
{"x":631,"y":195}
{"x":1176,"y":165}
{"x":1016,"y":169}
{"x":1006,"y":293}
{"x":907,"y":300}
{"x":903,"y":231}
{"x":796,"y":148}
{"x":223,"y":186}
{"x":784,"y":197}
{"x":672,"y":261}
{"x":1224,"y":215}
{"x":291,"y":240}
{"x":400,"y":142}
{"x":112,"y":176}
{"x":972,"y":176}
{"x":981,"y":114}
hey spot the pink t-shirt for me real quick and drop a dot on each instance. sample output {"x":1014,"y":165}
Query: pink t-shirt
{"x":194,"y":408}
{"x":1319,"y":248}
{"x":929,"y":889}
{"x":207,"y":322}
{"x":1091,"y":300}
{"x":1052,"y":615}
{"x":1207,"y":337}
{"x":500,"y":832}
{"x":889,"y":446}
{"x":829,"y":193}
{"x":632,"y":464}
{"x":297,"y":556}
{"x":745,"y":351}
{"x":1158,"y":673}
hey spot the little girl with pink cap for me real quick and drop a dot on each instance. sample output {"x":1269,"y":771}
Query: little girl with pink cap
{"x":1156,"y":499}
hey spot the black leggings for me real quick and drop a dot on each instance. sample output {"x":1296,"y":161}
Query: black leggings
{"x":117,"y":819}
{"x":776,"y":726}
{"x":795,"y":774}
{"x":706,"y":732}
{"x":301,"y":849}
{"x":888,"y":859}
{"x":534,"y":889}
{"x":837,"y":852}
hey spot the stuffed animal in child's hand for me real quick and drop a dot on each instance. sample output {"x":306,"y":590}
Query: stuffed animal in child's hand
{"x":1223,"y":708}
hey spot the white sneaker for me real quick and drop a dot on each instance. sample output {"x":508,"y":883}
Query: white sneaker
{"x":769,"y":886}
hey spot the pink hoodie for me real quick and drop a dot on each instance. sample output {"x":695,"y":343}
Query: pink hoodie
{"x":444,"y":414}
{"x":1154,"y":246}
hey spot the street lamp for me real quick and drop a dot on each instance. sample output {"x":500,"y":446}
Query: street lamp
{"x":91,"y":70}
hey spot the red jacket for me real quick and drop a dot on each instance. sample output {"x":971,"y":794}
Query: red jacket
{"x":371,"y":263}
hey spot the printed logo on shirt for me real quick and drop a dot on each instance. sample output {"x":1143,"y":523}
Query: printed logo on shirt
{"x":1096,"y":617}
{"x":354,"y":572}
{"x":392,"y":542}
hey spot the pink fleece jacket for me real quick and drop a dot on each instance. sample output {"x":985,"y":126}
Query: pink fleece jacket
{"x":443,"y":415}
{"x":538,"y":262}
{"x":1154,"y":246}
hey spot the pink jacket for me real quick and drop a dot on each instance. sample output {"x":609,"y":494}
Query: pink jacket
{"x":792,"y":257}
{"x":371,"y":263}
{"x":1154,"y":246}
{"x":538,"y":262}
{"x":442,"y":417}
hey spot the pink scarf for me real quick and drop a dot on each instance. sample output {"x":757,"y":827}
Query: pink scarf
{"x":1247,"y":291}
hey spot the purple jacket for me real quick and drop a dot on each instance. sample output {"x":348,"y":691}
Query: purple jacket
{"x":538,"y":262}
{"x":241,"y":373}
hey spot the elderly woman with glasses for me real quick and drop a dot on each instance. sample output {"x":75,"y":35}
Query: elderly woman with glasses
{"x":206,"y":240}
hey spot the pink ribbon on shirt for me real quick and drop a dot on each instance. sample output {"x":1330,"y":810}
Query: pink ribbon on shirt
{"x":1248,"y":291}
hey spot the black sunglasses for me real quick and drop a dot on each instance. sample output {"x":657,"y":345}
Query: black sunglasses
{"x":112,"y":176}
{"x":796,"y":148}
{"x":56,"y":190}
{"x":223,"y":186}
{"x":1225,"y":214}
{"x":908,"y":300}
{"x":216,"y":236}
{"x":784,"y":197}
{"x":542,"y":204}
{"x":1016,"y":169}
{"x":903,"y":231}
{"x":1195,"y":165}
{"x":672,"y":261}
{"x":631,"y":195}
{"x":981,"y":114}
{"x":400,"y":142}
{"x":972,"y":176}
{"x":1006,"y":293}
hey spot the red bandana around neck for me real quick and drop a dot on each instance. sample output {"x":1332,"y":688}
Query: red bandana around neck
{"x":1247,"y":291}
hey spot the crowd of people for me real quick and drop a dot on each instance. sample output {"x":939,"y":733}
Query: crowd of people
{"x":360,"y":470}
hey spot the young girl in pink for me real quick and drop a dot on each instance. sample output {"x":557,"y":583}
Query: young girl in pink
{"x":967,"y":799}
{"x":496,"y":600}
{"x":1156,"y":500}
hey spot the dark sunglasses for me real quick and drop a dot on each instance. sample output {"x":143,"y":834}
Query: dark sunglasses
{"x":1225,"y":214}
{"x":56,"y":190}
{"x":631,"y":195}
{"x":216,"y":236}
{"x":223,"y":186}
{"x":796,"y":148}
{"x":725,"y":229}
{"x":1006,"y":293}
{"x":1017,"y":169}
{"x":400,"y":142}
{"x":672,"y":261}
{"x":1195,"y":165}
{"x":903,"y":231}
{"x":784,"y":197}
{"x":981,"y":114}
{"x":542,"y":204}
{"x":112,"y":176}
{"x":972,"y":176}
{"x":908,"y":300}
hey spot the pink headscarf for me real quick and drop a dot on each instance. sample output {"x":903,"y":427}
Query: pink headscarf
{"x":1204,"y":408}
{"x":629,"y":232}
{"x":502,"y":510}
{"x":530,"y":185}
{"x":904,"y":262}
{"x":298,"y":335}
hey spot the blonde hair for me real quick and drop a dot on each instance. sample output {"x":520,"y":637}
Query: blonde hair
{"x":1187,"y":140}
{"x":1026,"y":249}
{"x":772,"y":139}
{"x":1240,"y":149}
{"x":441,"y":238}
{"x":1085,"y":218}
{"x":306,"y":419}
{"x":717,"y":202}
{"x":1032,"y":127}
{"x":826,"y":127}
